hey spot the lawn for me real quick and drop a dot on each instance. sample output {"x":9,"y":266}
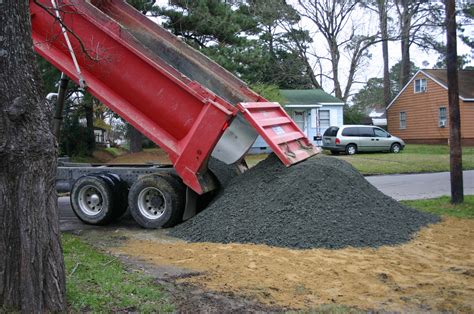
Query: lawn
{"x":415,"y":158}
{"x":442,"y":206}
{"x":98,"y":282}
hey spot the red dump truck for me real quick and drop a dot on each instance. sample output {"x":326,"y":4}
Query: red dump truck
{"x":177,"y":97}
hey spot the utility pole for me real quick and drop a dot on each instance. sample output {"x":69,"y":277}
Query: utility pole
{"x":455,"y":149}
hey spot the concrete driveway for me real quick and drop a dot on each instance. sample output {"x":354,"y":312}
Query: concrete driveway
{"x":419,"y":186}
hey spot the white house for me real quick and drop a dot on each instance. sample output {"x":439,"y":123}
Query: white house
{"x":313,"y":110}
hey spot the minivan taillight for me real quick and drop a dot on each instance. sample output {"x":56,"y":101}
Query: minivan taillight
{"x":338,"y":141}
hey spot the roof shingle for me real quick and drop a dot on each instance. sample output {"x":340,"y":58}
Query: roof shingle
{"x":465,"y":78}
{"x":308,"y":97}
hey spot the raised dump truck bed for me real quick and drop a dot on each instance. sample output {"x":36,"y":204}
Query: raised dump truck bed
{"x":184,"y":102}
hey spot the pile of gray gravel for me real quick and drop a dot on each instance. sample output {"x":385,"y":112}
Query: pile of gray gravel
{"x":322,"y":202}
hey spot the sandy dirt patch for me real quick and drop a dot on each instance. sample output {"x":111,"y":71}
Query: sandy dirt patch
{"x":433,"y":272}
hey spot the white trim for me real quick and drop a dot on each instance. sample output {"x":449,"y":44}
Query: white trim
{"x":332,"y":103}
{"x":400,"y":120}
{"x":303,"y":106}
{"x":421,"y":90}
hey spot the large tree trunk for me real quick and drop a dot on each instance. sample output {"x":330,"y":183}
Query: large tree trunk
{"x":383,"y":20}
{"x":457,"y":186}
{"x":405,"y":23}
{"x":31,"y":263}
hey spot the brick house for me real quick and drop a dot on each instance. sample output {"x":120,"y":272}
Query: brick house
{"x":419,"y":113}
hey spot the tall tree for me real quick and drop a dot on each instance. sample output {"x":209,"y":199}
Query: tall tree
{"x":457,"y":190}
{"x":285,"y":45}
{"x":467,"y":19}
{"x":417,"y":22}
{"x":244,"y":37}
{"x":31,"y":264}
{"x":381,"y":8}
{"x":333,"y":19}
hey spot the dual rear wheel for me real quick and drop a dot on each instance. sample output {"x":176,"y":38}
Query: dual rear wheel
{"x":153,"y":200}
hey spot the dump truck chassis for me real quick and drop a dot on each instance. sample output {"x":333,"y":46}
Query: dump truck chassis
{"x":155,"y":194}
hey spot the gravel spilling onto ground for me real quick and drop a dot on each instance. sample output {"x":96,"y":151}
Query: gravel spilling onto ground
{"x":321,"y":202}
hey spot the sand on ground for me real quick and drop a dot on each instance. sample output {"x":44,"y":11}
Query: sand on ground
{"x":433,"y":272}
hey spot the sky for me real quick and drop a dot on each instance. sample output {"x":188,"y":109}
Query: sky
{"x":374,"y":66}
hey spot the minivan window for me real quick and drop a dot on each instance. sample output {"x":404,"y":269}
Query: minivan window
{"x":380,"y":133}
{"x":366,"y":132}
{"x":332,"y":131}
{"x":350,"y":132}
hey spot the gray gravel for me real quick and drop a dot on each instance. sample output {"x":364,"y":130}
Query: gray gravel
{"x":322,"y":202}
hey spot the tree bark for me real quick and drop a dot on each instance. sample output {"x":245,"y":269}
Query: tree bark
{"x":457,"y":189}
{"x":136,"y":139}
{"x":405,"y":24}
{"x":383,"y":20}
{"x":31,"y":264}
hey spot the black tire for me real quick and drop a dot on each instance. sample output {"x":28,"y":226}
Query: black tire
{"x":156,"y":201}
{"x":119,"y":194}
{"x":351,"y":149}
{"x":180,"y":191}
{"x":395,"y":148}
{"x":335,"y":152}
{"x":92,"y":200}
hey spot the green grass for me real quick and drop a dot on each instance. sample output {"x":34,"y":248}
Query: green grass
{"x":415,"y":158}
{"x":114,"y":151}
{"x":442,"y":206}
{"x":97,"y":282}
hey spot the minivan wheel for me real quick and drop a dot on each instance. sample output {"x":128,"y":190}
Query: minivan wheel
{"x":351,"y":149}
{"x":395,"y":148}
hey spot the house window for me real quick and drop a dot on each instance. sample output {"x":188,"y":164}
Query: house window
{"x":324,"y":119}
{"x":403,"y":120}
{"x":299,"y":117}
{"x":420,"y":86}
{"x":443,"y":117}
{"x":99,"y":136}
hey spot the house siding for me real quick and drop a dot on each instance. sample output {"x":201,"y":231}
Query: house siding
{"x":422,"y":114}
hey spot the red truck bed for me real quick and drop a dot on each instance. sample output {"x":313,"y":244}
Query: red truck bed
{"x":183,"y":101}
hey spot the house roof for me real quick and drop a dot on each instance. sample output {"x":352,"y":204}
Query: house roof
{"x":465,"y":79}
{"x":308,"y":97}
{"x":440,"y":76}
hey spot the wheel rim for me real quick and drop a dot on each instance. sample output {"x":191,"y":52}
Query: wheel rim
{"x":151,"y":203}
{"x":351,"y":150}
{"x":91,"y":200}
{"x":396,"y":148}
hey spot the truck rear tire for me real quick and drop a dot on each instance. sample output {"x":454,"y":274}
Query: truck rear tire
{"x":156,"y":201}
{"x":119,"y":194}
{"x":92,"y":200}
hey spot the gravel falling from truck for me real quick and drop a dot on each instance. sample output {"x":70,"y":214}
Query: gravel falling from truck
{"x":322,"y":202}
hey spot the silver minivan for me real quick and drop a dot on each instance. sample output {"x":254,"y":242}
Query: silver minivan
{"x":360,"y":138}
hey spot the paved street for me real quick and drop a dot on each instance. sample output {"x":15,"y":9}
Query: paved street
{"x":419,"y":186}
